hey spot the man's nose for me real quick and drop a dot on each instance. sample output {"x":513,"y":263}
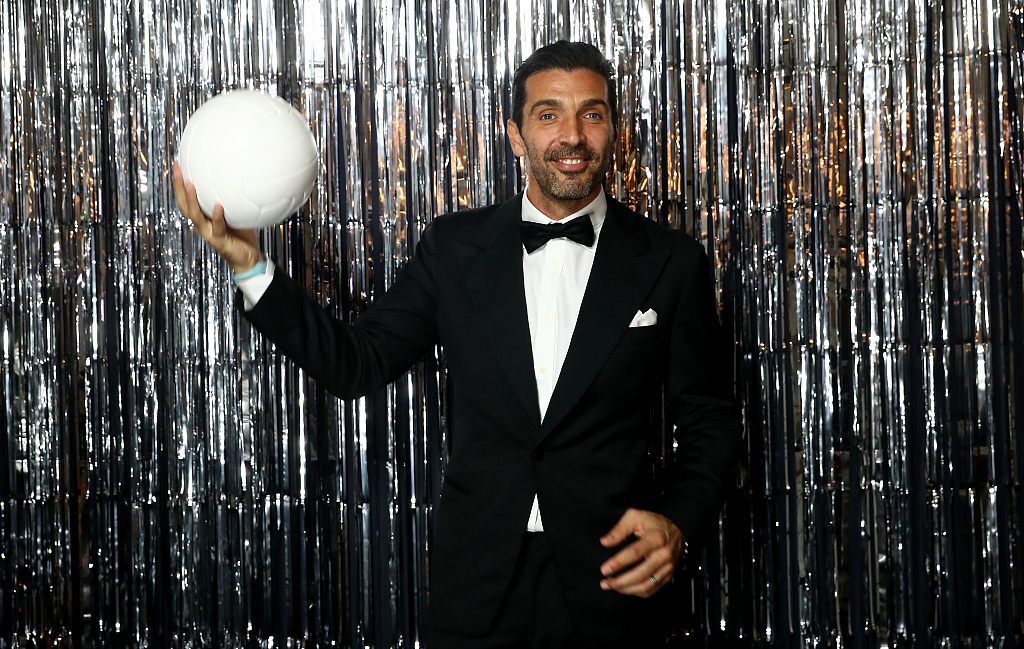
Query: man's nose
{"x":572,"y":131}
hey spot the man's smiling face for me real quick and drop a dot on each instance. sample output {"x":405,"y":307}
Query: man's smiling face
{"x":566,"y":137}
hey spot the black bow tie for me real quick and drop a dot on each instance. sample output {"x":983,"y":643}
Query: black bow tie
{"x":535,"y":235}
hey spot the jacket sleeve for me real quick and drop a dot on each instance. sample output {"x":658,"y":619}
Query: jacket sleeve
{"x":705,"y":423}
{"x":351,"y":360}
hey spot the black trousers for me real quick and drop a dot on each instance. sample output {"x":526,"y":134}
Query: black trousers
{"x":533,"y":614}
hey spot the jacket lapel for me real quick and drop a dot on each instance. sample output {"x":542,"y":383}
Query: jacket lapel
{"x":624,"y":271}
{"x":493,"y":266}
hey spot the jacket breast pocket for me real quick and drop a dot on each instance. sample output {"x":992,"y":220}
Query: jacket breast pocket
{"x":639,"y":336}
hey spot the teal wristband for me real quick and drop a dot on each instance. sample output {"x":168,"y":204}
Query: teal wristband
{"x":258,"y":269}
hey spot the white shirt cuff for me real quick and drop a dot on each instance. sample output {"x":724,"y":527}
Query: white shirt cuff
{"x":254,"y":287}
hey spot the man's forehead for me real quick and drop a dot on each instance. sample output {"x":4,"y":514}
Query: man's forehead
{"x":550,"y":86}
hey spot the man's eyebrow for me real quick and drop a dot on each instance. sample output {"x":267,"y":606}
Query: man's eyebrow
{"x":545,"y":103}
{"x":596,"y":102}
{"x":555,"y":103}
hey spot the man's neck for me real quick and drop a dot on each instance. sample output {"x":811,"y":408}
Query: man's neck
{"x":596,"y":209}
{"x":557,"y":209}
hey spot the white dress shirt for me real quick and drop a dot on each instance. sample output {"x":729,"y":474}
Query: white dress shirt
{"x":555,"y":278}
{"x":254,"y":287}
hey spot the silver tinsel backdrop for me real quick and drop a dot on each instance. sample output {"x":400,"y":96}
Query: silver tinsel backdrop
{"x":853,"y":166}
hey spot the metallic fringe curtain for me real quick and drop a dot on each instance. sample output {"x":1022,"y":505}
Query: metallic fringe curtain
{"x":853,"y":166}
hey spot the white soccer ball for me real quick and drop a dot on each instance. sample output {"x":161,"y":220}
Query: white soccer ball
{"x":252,"y":153}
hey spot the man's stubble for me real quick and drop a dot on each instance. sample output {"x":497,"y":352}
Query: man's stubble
{"x":568,"y":186}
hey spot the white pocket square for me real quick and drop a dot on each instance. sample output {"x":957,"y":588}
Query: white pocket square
{"x":644,"y":318}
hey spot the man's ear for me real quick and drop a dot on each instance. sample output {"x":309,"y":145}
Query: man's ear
{"x":515,"y":138}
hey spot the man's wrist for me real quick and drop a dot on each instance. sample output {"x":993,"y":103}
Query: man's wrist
{"x":245,"y":268}
{"x":258,"y":269}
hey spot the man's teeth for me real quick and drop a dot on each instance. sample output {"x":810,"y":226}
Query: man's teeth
{"x":571,"y":161}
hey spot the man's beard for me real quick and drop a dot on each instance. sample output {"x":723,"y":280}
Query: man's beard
{"x":569,"y":186}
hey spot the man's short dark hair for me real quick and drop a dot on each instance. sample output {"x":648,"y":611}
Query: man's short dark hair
{"x":562,"y":55}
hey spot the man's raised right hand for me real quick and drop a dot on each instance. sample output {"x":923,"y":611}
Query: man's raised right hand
{"x":237,"y":247}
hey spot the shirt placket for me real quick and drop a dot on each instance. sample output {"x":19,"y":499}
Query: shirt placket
{"x":547,"y":321}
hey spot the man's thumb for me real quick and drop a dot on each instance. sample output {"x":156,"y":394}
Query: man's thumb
{"x":620,"y":532}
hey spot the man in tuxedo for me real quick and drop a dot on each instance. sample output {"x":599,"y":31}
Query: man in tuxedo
{"x":564,"y":317}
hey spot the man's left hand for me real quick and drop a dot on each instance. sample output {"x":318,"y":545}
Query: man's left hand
{"x":644,"y":566}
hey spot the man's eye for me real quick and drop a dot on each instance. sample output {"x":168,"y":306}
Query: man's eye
{"x":594,"y":116}
{"x":548,"y":116}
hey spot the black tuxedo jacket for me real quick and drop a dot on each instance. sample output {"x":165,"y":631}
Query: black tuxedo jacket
{"x":589,"y":460}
